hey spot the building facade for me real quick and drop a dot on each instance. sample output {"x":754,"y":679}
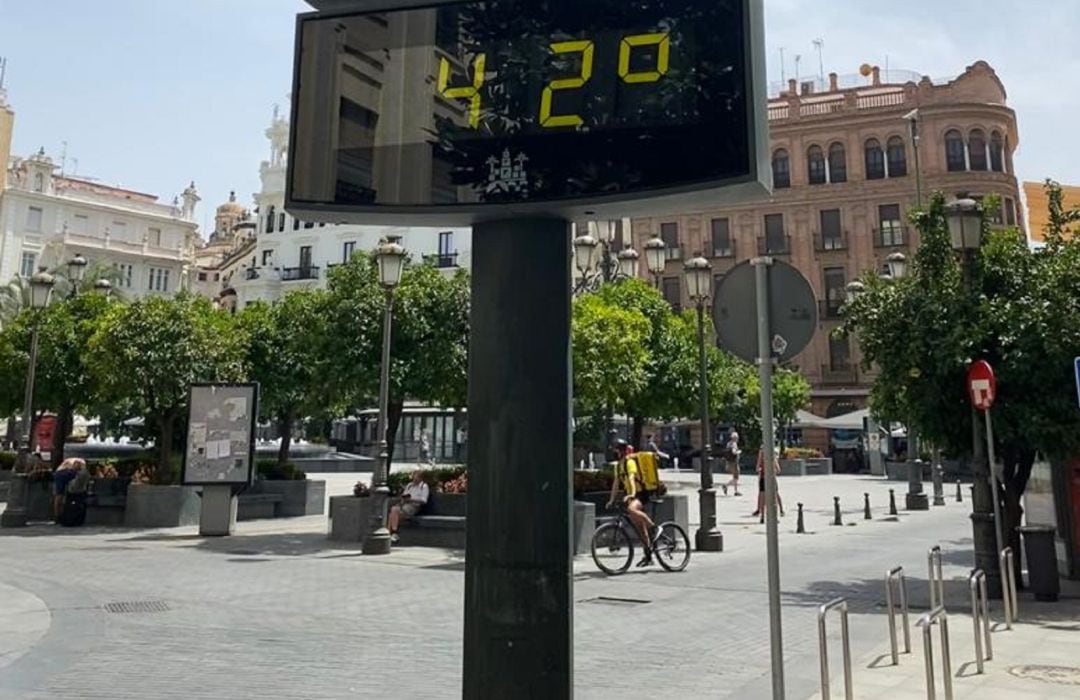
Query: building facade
{"x":1038,"y":207}
{"x":845,"y":181}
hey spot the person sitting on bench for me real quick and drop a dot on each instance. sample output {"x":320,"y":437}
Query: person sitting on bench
{"x":413,"y":499}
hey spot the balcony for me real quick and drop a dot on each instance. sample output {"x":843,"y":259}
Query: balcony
{"x":829,"y":244}
{"x":774,"y":245}
{"x":830,"y":310}
{"x":442,"y":260}
{"x":724,"y":252}
{"x":294,"y":274}
{"x":891,"y":237}
{"x":252,"y":273}
{"x":839,"y":374}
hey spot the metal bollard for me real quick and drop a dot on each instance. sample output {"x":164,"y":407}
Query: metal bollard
{"x":897,"y":576}
{"x":866,"y":507}
{"x":837,"y":520}
{"x":800,"y":527}
{"x":959,"y":493}
{"x":823,"y":647}
{"x":892,"y":502}
{"x":937,"y":583}
{"x":940,"y":617}
{"x":980,"y":606}
{"x":1008,"y":586}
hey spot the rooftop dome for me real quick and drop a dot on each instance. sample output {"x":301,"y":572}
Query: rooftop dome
{"x":232,"y":206}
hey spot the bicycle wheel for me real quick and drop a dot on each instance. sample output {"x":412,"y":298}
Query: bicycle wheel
{"x":612,"y":549}
{"x":672,"y":547}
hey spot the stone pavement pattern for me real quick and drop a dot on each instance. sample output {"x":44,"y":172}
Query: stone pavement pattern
{"x":279,"y":612}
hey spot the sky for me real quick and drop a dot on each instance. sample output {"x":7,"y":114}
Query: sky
{"x":153,"y":94}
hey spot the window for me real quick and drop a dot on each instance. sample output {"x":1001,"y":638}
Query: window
{"x":159,"y":279}
{"x":670,"y":234}
{"x":270,"y":220}
{"x":267,"y":257}
{"x":997,"y":152}
{"x":721,"y":238}
{"x":81,"y":224}
{"x":897,"y":157}
{"x":617,"y":240}
{"x":119,"y":230}
{"x":832,"y":236}
{"x":448,"y":258}
{"x":1010,"y":212}
{"x":892,"y":228}
{"x":781,"y":169}
{"x":837,"y":163}
{"x":775,"y":240}
{"x":202,"y":276}
{"x":126,"y":274}
{"x":33,"y":219}
{"x":977,"y":148}
{"x":27,"y":266}
{"x":815,"y":159}
{"x":305,"y":257}
{"x":281,"y":222}
{"x":39,"y":183}
{"x":347,"y":251}
{"x":875,"y":160}
{"x":839,"y":354}
{"x":673,"y":292}
{"x":309,"y":224}
{"x":955,"y":153}
{"x":296,"y":224}
{"x":835,"y":290}
{"x":153,"y":237}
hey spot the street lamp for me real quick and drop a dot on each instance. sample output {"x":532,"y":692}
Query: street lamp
{"x":103,"y":287}
{"x":965,"y":225}
{"x":390,"y":258}
{"x":597,"y":261}
{"x":76,"y":271}
{"x":656,"y":258}
{"x":629,"y":262}
{"x":854,"y":289}
{"x":897,"y":263}
{"x":698,"y":274}
{"x":585,"y":249}
{"x":912,"y":118}
{"x":41,"y":286}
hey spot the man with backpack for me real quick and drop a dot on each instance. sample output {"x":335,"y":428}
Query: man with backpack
{"x":637,"y":475}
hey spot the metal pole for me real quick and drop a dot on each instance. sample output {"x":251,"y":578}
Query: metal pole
{"x":915,"y":139}
{"x":765,"y":373}
{"x":998,"y":525}
{"x":378,"y":540}
{"x":709,"y":539}
{"x":28,"y":397}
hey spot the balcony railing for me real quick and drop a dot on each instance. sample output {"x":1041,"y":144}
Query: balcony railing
{"x":442,"y":260}
{"x":828,"y":244}
{"x":829,"y":309}
{"x":252,"y":273}
{"x":774,"y":245}
{"x":835,"y":374}
{"x":292,"y":274}
{"x":725,"y":251}
{"x":891,"y":238}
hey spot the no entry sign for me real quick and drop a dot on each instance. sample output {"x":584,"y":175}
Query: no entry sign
{"x":982,"y":385}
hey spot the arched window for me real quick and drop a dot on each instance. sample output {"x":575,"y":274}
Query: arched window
{"x":815,"y":160}
{"x":955,"y":156}
{"x":781,"y":169}
{"x":997,"y":152}
{"x":897,"y":157}
{"x":875,"y":160}
{"x":837,"y":163}
{"x":977,"y":149}
{"x":270,"y":220}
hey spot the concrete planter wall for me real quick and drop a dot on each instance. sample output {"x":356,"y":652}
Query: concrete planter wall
{"x":350,"y":518}
{"x":668,"y":508}
{"x":39,"y":501}
{"x":5,"y":484}
{"x":821,"y":466}
{"x":305,"y":497}
{"x":161,"y":506}
{"x":793,"y":467}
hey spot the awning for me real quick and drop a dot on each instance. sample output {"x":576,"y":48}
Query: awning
{"x":849,"y":421}
{"x":806,"y":419}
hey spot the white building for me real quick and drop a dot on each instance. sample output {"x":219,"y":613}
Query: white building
{"x":289,"y":254}
{"x":47,"y":218}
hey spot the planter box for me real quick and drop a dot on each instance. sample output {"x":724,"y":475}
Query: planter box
{"x":896,"y":471}
{"x":299,"y":498}
{"x":822,"y":466}
{"x":161,"y":506}
{"x":39,"y":501}
{"x":793,"y":467}
{"x":668,"y":508}
{"x":350,"y":518}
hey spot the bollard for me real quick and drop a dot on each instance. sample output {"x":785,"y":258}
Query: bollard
{"x":937,"y":580}
{"x":959,"y":494}
{"x":1008,"y":586}
{"x":800,"y":527}
{"x":892,"y":502}
{"x":939,"y":617}
{"x":823,"y":648}
{"x":866,"y":507}
{"x":837,"y":520}
{"x":896,"y":577}
{"x":977,"y":581}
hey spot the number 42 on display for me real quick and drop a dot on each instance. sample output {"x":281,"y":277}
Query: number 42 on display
{"x":587,"y":49}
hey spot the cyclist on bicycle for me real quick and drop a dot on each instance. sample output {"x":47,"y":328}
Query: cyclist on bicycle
{"x":627,"y":473}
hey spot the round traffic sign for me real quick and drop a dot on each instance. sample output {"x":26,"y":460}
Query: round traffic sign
{"x":982,"y":385}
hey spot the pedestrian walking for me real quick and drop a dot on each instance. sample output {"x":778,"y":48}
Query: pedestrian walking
{"x":760,"y":512}
{"x":460,"y":436}
{"x":425,"y":449}
{"x":650,"y":446}
{"x":731,"y":454}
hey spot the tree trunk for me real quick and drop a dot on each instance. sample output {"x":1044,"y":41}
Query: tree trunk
{"x":1018,"y":462}
{"x":393,"y":422}
{"x":163,"y":473}
{"x":636,"y":431}
{"x":64,"y":420}
{"x":285,"y":426}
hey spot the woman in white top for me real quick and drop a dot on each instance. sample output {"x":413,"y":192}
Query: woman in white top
{"x":413,"y":499}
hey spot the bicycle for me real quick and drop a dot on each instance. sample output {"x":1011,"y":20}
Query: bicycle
{"x":613,"y":545}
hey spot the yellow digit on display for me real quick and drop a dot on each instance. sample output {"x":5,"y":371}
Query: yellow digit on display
{"x":661,"y":40}
{"x":586,"y":49}
{"x":465,"y":92}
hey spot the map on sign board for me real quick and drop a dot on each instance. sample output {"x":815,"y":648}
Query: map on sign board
{"x":221,"y":434}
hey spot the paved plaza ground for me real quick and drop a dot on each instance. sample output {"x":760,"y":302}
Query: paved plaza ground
{"x":278,"y":611}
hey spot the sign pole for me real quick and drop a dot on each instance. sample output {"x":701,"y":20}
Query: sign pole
{"x":991,"y":461}
{"x":765,"y":373}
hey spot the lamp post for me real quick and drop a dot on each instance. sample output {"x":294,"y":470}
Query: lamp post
{"x":390,"y":257}
{"x":76,"y":272}
{"x":596,"y":260}
{"x":104,"y":288}
{"x":912,"y":118}
{"x":698,"y":274}
{"x":965,"y":219}
{"x":656,"y":258}
{"x":41,"y":286}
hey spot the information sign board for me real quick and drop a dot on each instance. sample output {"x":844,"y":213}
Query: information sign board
{"x":220,"y":445}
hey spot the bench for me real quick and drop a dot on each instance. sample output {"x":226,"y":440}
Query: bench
{"x":257,"y":506}
{"x":440,"y":523}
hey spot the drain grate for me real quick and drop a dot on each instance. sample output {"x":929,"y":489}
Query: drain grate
{"x":1059,"y":675}
{"x":617,"y":602}
{"x":137,"y":607}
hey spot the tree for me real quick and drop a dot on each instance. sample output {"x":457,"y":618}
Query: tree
{"x":791,"y":393}
{"x":429,"y":341}
{"x":287,"y":355}
{"x":151,"y":351}
{"x":610,"y":361}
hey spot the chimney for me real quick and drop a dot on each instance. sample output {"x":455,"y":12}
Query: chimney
{"x":877,"y":75}
{"x":792,"y":87}
{"x":834,"y":82}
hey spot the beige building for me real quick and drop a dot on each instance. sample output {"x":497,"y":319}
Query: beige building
{"x":845,"y":181}
{"x":1038,"y":207}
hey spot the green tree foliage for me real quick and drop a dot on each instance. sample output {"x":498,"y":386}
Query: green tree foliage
{"x":609,"y":355}
{"x":149,"y":352}
{"x":791,"y":393}
{"x":287,"y":355}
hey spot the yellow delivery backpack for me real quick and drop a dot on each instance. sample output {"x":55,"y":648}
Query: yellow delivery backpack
{"x":644,"y":466}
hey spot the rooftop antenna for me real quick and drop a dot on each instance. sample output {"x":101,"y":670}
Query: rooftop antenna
{"x":798,"y":60}
{"x":63,"y":158}
{"x":819,"y":44}
{"x":783,"y":67}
